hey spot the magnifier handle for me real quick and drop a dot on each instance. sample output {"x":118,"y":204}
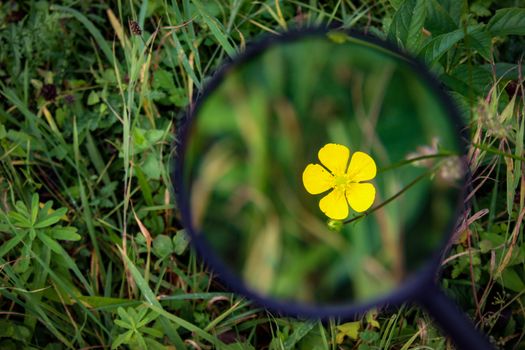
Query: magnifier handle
{"x":453,"y":321}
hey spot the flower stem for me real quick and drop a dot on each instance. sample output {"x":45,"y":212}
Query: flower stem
{"x":415,"y":159}
{"x":379,"y":206}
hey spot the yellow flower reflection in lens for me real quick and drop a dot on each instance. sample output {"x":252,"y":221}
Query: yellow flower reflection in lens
{"x":344,"y":182}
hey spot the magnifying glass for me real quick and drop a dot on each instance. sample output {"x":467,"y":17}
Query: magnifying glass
{"x":321,"y":173}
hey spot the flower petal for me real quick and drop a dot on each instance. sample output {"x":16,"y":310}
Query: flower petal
{"x":360,"y":196}
{"x":334,"y":157}
{"x":316,"y":179}
{"x":362,"y":167}
{"x":334,"y":205}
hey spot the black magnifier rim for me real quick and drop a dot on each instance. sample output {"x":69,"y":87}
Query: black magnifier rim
{"x":415,"y":284}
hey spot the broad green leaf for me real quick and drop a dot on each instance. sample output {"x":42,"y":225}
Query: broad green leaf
{"x":438,"y":20}
{"x":506,"y":71}
{"x":480,"y":40}
{"x":93,"y":98}
{"x":485,"y":246}
{"x":163,"y":79}
{"x":396,"y":3}
{"x":162,"y":246}
{"x":407,"y":24}
{"x":152,"y":167}
{"x":10,"y":329}
{"x":180,"y":242}
{"x":437,"y":46}
{"x":511,"y":279}
{"x":349,"y":329}
{"x":454,"y":8}
{"x":507,"y":21}
{"x":477,"y":79}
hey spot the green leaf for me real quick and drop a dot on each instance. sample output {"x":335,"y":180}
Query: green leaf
{"x":34,"y":208}
{"x":407,"y":24}
{"x":52,"y":218}
{"x":152,"y":331}
{"x":51,"y":243}
{"x":505,"y":71}
{"x":65,"y":233}
{"x":19,"y":219}
{"x":162,"y":246}
{"x":216,"y":29}
{"x":152,"y":167}
{"x":13,"y":242}
{"x":123,"y":324}
{"x":300,"y":330}
{"x":152,"y":344}
{"x":93,"y":98}
{"x":123,"y":314}
{"x":438,"y":20}
{"x":163,"y":79}
{"x":511,"y":279}
{"x":105,"y":302}
{"x":121,"y":339}
{"x":485,"y":245}
{"x":437,"y":46}
{"x":349,"y":329}
{"x":396,"y":3}
{"x":507,"y":21}
{"x":180,"y":242}
{"x":22,"y":264}
{"x":185,"y":324}
{"x":480,"y":40}
{"x":147,"y":293}
{"x":3,"y":132}
{"x":9,"y":329}
{"x":474,"y":78}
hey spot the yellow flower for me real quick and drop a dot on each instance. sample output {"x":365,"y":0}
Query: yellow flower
{"x":345,"y":183}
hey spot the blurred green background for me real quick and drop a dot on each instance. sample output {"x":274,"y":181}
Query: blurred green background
{"x":252,"y":138}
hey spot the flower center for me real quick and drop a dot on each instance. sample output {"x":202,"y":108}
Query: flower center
{"x":341,"y":180}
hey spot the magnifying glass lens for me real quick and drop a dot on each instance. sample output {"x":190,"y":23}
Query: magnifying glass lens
{"x":322,"y":171}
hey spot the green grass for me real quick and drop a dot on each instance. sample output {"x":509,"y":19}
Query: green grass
{"x":92,"y":250}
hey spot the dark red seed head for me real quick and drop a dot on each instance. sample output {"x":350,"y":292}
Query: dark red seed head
{"x":49,"y":92}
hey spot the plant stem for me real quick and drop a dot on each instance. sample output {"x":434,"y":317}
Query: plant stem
{"x":415,"y":159}
{"x":379,"y":206}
